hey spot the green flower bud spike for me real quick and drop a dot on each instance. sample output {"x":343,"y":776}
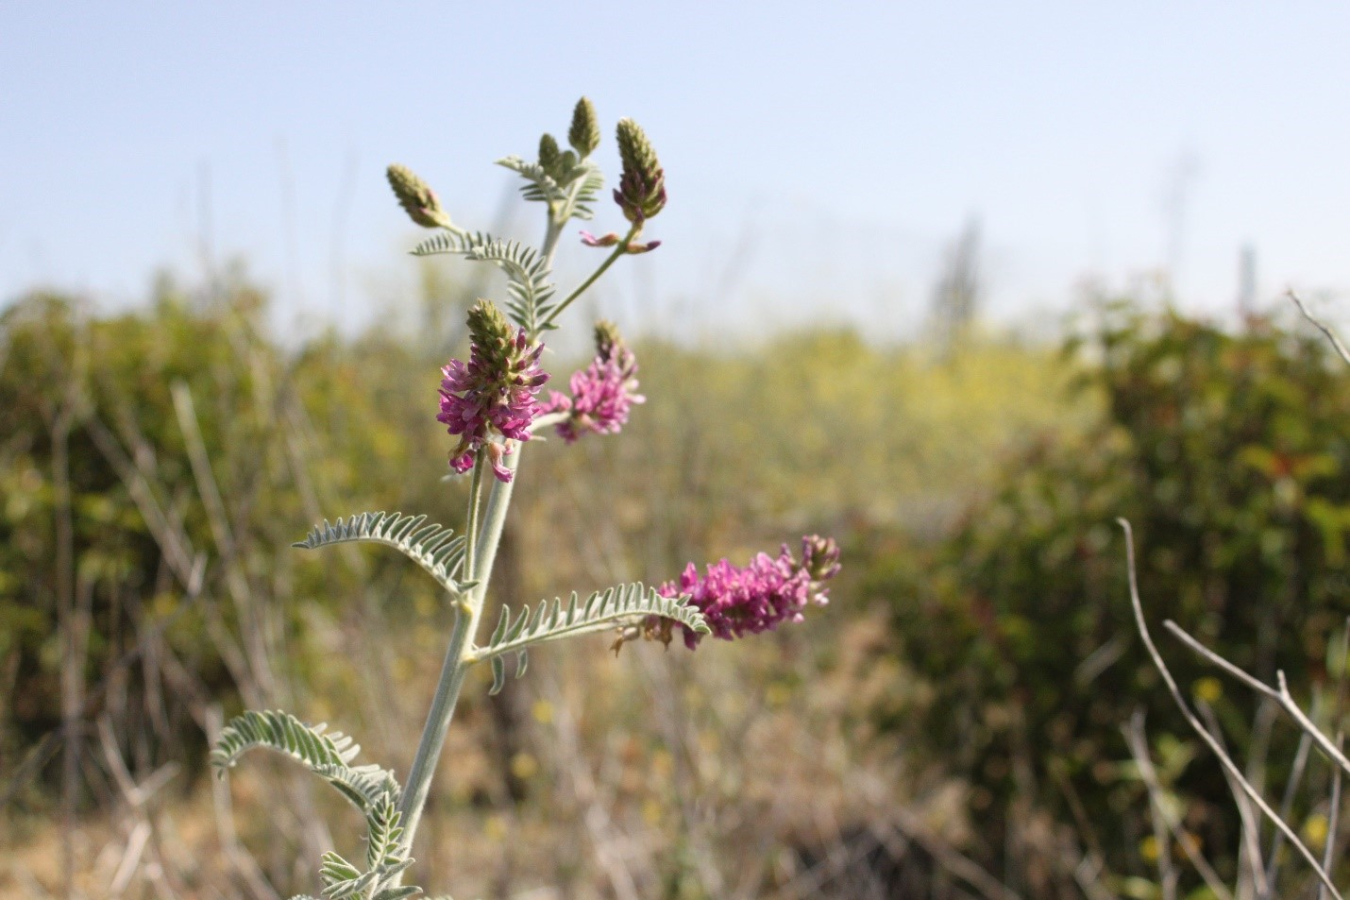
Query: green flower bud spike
{"x":607,"y":339}
{"x":492,"y":334}
{"x":584,"y":135}
{"x":549,"y":157}
{"x":417,"y":199}
{"x":641,"y":193}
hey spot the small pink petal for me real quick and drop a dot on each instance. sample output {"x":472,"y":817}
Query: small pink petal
{"x":608,"y":240}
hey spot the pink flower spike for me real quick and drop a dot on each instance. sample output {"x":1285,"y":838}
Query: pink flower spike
{"x":736,"y":601}
{"x":602,"y":393}
{"x":491,"y":401}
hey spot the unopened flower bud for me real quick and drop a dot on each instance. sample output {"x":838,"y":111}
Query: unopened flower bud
{"x":820,"y":557}
{"x":584,"y":135}
{"x":549,"y":156}
{"x":417,"y":199}
{"x":634,"y":149}
{"x":491,"y":333}
{"x":641,"y":193}
{"x":606,"y":339}
{"x":487,"y":324}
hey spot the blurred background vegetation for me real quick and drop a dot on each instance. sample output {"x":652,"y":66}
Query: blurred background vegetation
{"x":950,"y":726}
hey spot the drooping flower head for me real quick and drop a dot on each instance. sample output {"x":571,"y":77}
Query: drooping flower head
{"x":603,"y":392}
{"x":494,"y":395}
{"x":741,"y":600}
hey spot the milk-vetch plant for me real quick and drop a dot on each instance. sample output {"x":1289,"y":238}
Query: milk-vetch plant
{"x":491,"y":408}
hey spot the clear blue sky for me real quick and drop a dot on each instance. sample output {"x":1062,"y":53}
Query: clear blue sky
{"x":818,"y":158}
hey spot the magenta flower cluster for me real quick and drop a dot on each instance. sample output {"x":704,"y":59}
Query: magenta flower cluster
{"x":602,"y":394}
{"x":737,"y":601}
{"x":494,"y":395}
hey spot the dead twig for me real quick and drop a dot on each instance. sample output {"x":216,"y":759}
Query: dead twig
{"x":1249,"y":850}
{"x":1136,"y":740}
{"x":1322,"y":326}
{"x":1280,"y":695}
{"x":1334,"y":814}
{"x":1224,"y":759}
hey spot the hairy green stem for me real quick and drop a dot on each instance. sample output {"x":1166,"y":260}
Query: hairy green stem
{"x":438,"y":723}
{"x":494,"y":519}
{"x":475,"y":510}
{"x":551,"y":235}
{"x":457,"y":655}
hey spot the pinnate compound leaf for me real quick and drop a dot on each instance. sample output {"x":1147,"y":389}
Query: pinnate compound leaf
{"x":571,"y":193}
{"x":539,"y":184}
{"x":527,"y":276}
{"x":327,"y":754}
{"x":602,"y":609}
{"x":371,"y":789}
{"x":385,"y":831}
{"x":398,"y":893}
{"x":341,"y":879}
{"x":432,"y":547}
{"x":314,"y":745}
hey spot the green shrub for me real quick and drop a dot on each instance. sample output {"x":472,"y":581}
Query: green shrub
{"x":104,"y":513}
{"x":1229,"y":454}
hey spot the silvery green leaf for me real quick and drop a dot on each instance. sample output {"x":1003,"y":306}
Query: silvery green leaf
{"x":531,"y":292}
{"x":601,"y":610}
{"x":498,"y":676}
{"x":398,"y":893}
{"x":327,"y":754}
{"x":432,"y":547}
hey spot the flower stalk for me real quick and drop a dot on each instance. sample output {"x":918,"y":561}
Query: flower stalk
{"x":619,"y":250}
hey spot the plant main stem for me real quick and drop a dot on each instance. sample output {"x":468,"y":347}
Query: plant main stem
{"x":483,"y":534}
{"x":482,"y":555}
{"x":438,"y":723}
